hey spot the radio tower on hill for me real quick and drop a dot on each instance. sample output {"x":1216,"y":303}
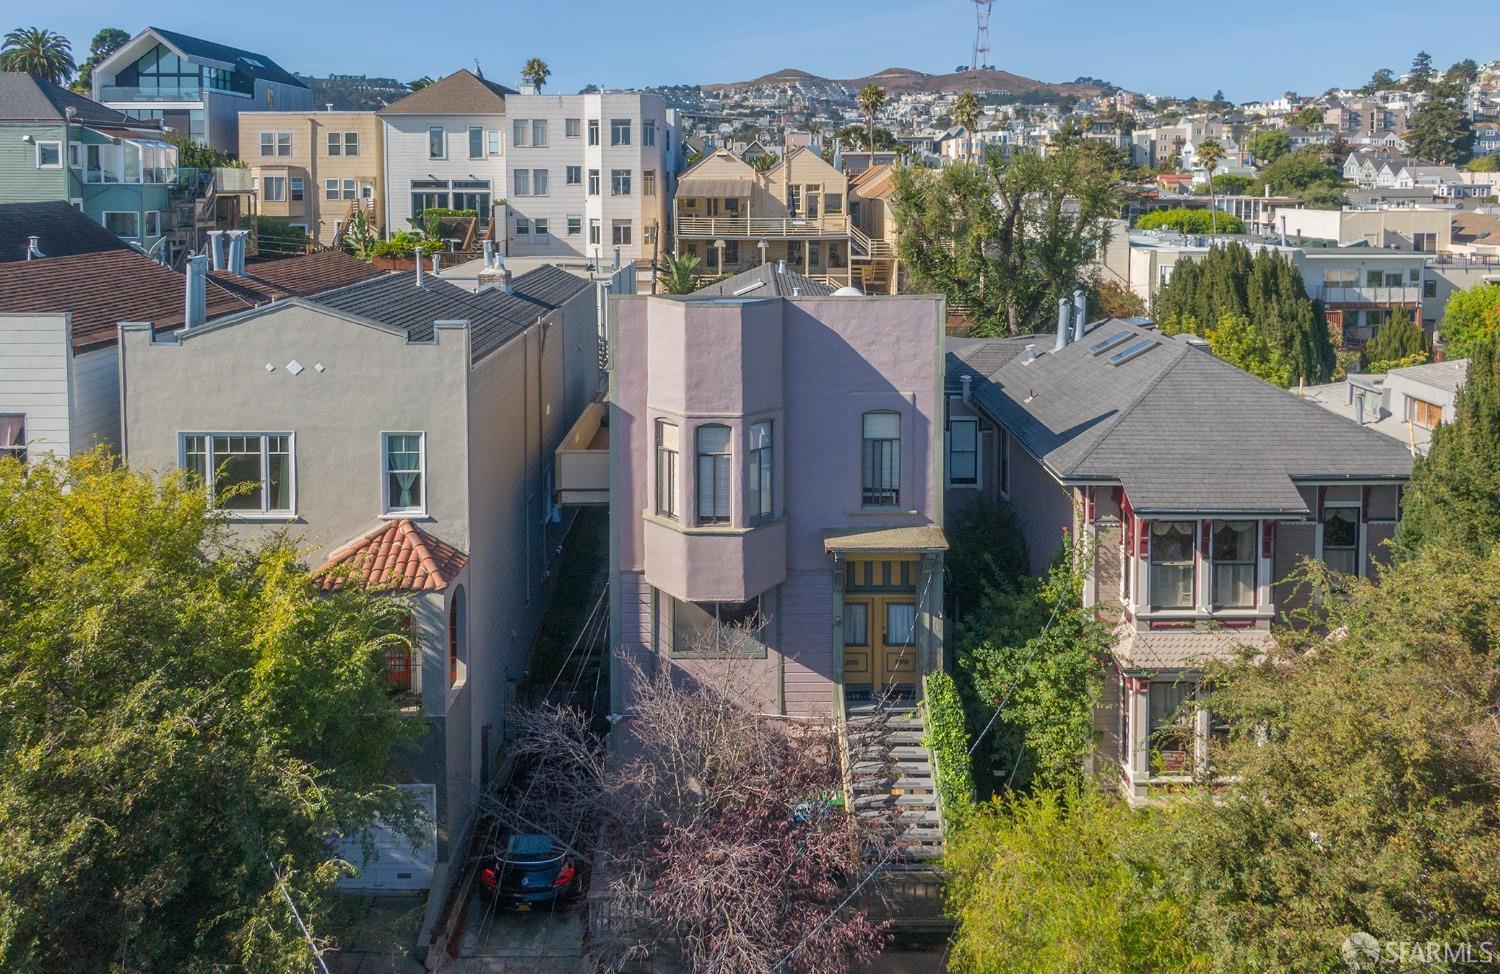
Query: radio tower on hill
{"x":982,"y":35}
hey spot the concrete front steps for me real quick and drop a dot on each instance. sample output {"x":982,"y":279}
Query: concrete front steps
{"x":891,"y":776}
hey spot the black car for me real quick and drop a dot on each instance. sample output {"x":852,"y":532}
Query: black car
{"x":529,"y":870}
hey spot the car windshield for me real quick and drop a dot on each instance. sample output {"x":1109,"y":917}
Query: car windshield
{"x":531,"y":849}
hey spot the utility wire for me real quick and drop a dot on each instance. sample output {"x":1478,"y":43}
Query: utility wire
{"x":286,"y":895}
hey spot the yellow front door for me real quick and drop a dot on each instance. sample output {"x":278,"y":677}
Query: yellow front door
{"x":880,"y":642}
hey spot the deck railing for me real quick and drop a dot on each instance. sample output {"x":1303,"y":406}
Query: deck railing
{"x":827,"y":225}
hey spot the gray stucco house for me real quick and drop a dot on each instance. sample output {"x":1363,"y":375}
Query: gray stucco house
{"x":402,"y":429}
{"x":1197,"y":487}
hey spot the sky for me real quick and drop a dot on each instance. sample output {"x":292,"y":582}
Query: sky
{"x":1250,"y":51}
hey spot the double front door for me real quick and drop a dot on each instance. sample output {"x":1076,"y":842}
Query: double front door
{"x":880,"y":645}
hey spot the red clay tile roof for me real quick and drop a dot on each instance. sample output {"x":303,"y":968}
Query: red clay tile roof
{"x":398,"y":556}
{"x":101,"y":290}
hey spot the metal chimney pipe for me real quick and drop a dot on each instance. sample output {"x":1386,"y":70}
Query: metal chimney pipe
{"x":1030,"y":355}
{"x":489,"y":253}
{"x":418,"y":255}
{"x":34,"y":248}
{"x":196,"y":309}
{"x":216,"y":249}
{"x":1080,"y":314}
{"x":967,"y":382}
{"x":237,"y":244}
{"x":436,"y":262}
{"x":1064,"y":323}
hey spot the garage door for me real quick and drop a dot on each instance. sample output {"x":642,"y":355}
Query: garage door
{"x":393,"y":863}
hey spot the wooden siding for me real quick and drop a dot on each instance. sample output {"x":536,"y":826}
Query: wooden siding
{"x":96,"y":400}
{"x":20,"y":179}
{"x":34,"y":366}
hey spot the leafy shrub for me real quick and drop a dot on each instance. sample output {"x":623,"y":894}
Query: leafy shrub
{"x":1185,"y":220}
{"x":948,"y":740}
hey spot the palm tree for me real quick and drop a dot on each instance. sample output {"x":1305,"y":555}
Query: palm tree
{"x":535,"y":72}
{"x":1210,"y":153}
{"x":763,"y":164}
{"x":871,"y":100}
{"x":966,"y":114}
{"x":678,"y":274}
{"x":419,"y":83}
{"x":38,"y":52}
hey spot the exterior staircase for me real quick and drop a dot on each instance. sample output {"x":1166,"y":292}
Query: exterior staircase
{"x":890,"y":775}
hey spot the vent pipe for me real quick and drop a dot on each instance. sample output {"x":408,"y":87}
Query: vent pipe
{"x":216,"y":249}
{"x":967,"y":381}
{"x":1030,"y":355}
{"x":1064,"y":323}
{"x":34,"y":248}
{"x":437,"y":260}
{"x":781,"y":266}
{"x":1080,"y":314}
{"x":195,"y":311}
{"x":489,"y":253}
{"x":237,"y":244}
{"x":418,"y":255}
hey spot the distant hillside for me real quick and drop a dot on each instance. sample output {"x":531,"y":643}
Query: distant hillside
{"x":898,"y":80}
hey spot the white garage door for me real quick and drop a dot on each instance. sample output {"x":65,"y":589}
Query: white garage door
{"x":393,"y":863}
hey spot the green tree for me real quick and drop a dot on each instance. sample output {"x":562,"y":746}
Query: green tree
{"x":1453,"y":501}
{"x":1210,"y":154}
{"x":1470,"y":317}
{"x":106,"y":42}
{"x":1359,"y":786}
{"x":1186,"y":220}
{"x":1399,"y":342}
{"x":1421,"y":73}
{"x":276,"y":238}
{"x":178,"y":716}
{"x":1464,"y":72}
{"x":196,"y":155}
{"x":1064,"y":881}
{"x":1383,"y":79}
{"x":1227,"y":184}
{"x":1239,"y":342}
{"x":420,"y":83}
{"x":535,"y":72}
{"x":1270,"y":145}
{"x":1488,"y":163}
{"x":1309,"y":118}
{"x":966,"y":114}
{"x":38,"y":52}
{"x":871,"y":99}
{"x":1007,"y":237}
{"x":1299,"y":173}
{"x":679,"y":275}
{"x":1439,"y":130}
{"x":1264,"y":287}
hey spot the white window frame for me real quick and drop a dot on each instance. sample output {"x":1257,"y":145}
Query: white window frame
{"x":56,"y":144}
{"x":296,"y":189}
{"x":648,"y":132}
{"x":619,"y":182}
{"x":619,"y":131}
{"x":539,"y":127}
{"x":541,"y":227}
{"x":521,"y":182}
{"x":386,"y":510}
{"x":476,"y":134}
{"x":593,"y":131}
{"x":442,"y":139}
{"x":572,"y":128}
{"x":573,"y":175}
{"x":593,"y":185}
{"x":615,"y":228}
{"x":264,"y":514}
{"x":540,"y":180}
{"x":266,"y":182}
{"x":575,"y":226}
{"x":331,"y":188}
{"x":978,"y":482}
{"x":492,"y":141}
{"x":133,"y":214}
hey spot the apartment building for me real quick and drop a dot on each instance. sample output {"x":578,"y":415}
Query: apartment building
{"x":1407,"y":404}
{"x":195,"y":87}
{"x":589,"y":177}
{"x":315,"y":170}
{"x":444,"y":148}
{"x":734,"y":218}
{"x":1198,"y":489}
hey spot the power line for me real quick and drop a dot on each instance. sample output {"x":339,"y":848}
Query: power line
{"x":286,"y":895}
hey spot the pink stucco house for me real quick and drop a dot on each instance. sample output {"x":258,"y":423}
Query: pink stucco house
{"x":775,"y":456}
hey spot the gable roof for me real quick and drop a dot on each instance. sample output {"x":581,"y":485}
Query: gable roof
{"x":25,"y":98}
{"x":397,"y":556}
{"x":253,"y":64}
{"x":101,"y":290}
{"x":60,"y":228}
{"x":1180,"y":429}
{"x":765,"y":281}
{"x":299,"y":276}
{"x":462,"y":92}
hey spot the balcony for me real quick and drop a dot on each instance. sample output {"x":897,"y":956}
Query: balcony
{"x":109,"y":93}
{"x":583,"y":459}
{"x":163,"y":176}
{"x":1370,"y":295}
{"x":760,"y":228}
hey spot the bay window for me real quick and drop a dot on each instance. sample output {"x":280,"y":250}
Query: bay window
{"x":405,"y":473}
{"x":1172,"y":730}
{"x":1341,"y":539}
{"x":715,"y":629}
{"x":1234,"y":564}
{"x":713,"y":474}
{"x":244,"y":473}
{"x":666,"y":469}
{"x":1172,"y":564}
{"x":762,"y":499}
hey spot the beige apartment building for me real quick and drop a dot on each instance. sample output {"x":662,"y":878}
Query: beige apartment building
{"x":313,"y":170}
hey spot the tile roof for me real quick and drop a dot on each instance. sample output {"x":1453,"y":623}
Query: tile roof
{"x":101,"y":290}
{"x":1178,"y":428}
{"x":27,"y":98}
{"x":397,"y":556}
{"x":61,"y":228}
{"x":255,"y":65}
{"x":764,"y":281}
{"x":1183,"y":648}
{"x":462,"y":92}
{"x":298,"y":276}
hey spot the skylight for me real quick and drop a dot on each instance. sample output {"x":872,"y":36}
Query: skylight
{"x":1108,"y":343}
{"x":1134,"y":351}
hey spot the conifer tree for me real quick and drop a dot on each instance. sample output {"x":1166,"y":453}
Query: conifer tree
{"x":1400,"y":341}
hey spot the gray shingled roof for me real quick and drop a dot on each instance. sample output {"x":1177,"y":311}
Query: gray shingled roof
{"x":24,"y":98}
{"x":1448,"y":376}
{"x":61,"y":229}
{"x":765,"y":281}
{"x":494,"y":316}
{"x":1178,"y":428}
{"x":462,"y":92}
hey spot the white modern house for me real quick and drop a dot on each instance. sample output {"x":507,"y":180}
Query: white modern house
{"x":195,"y":87}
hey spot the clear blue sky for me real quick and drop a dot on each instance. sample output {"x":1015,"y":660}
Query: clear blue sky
{"x":1250,"y":50}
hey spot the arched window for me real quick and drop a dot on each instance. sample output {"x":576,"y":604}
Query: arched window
{"x":458,"y":638}
{"x":880,"y":459}
{"x":713,"y":474}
